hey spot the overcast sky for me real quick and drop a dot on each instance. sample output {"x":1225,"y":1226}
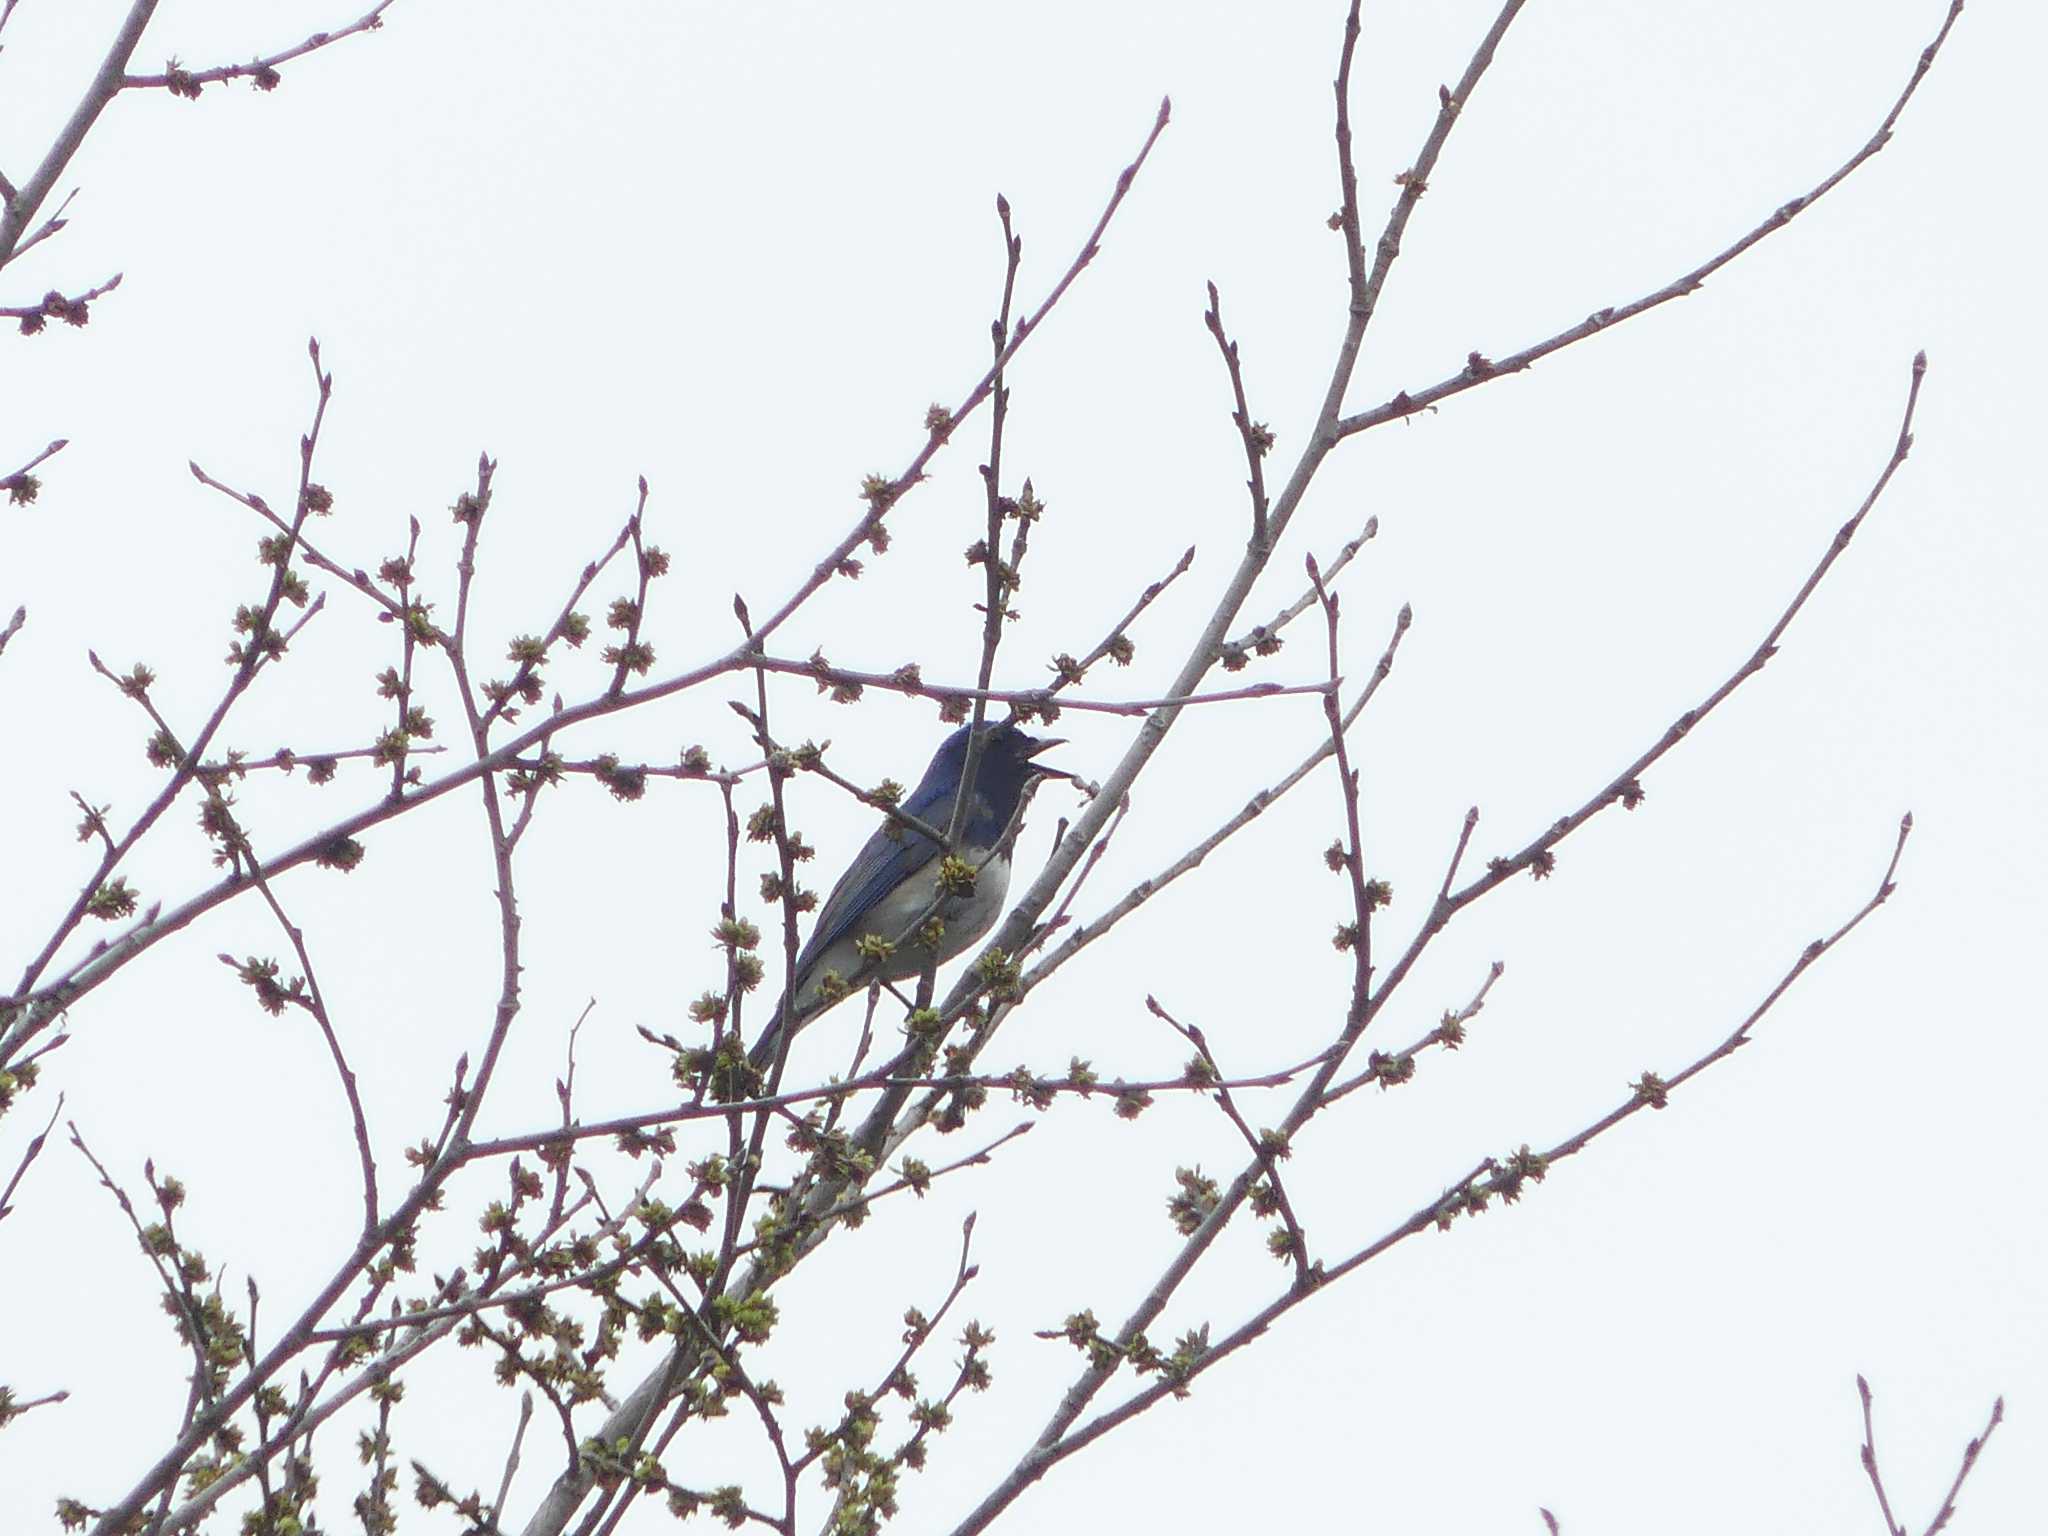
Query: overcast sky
{"x":739,"y":249}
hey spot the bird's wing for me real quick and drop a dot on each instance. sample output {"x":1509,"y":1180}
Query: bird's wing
{"x":882,"y":864}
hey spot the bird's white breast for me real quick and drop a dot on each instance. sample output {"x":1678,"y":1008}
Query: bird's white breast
{"x":968,"y":919}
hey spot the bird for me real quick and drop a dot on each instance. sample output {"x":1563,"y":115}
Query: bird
{"x":894,"y":879}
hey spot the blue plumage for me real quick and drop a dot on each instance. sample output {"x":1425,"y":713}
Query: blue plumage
{"x":893,"y":880}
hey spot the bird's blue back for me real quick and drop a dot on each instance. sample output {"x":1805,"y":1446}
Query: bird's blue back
{"x":894,"y":853}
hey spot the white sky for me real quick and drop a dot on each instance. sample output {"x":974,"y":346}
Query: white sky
{"x":739,"y":249}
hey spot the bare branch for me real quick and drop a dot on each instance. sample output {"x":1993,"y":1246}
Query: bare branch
{"x":10,"y":1410}
{"x":22,"y":485}
{"x":1884,"y":1504}
{"x":262,"y":71}
{"x":512,"y":1458}
{"x":1116,"y":644}
{"x":1267,"y":1151}
{"x":29,"y":1154}
{"x":1264,"y":639}
{"x":1469,"y":1195}
{"x":315,"y":1003}
{"x":260,"y":644}
{"x":711,"y":1305}
{"x":944,"y":422}
{"x":1388,"y":1069}
{"x":28,"y":199}
{"x":74,"y":310}
{"x":1026,"y":700}
{"x":1367,"y":286}
{"x":1971,"y":1451}
{"x":45,"y":1005}
{"x":1257,"y":439}
{"x":1362,"y":898}
{"x":1626,"y":788}
{"x":1089,"y":931}
{"x":1479,"y":369}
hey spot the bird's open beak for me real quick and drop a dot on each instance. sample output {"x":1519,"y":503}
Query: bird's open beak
{"x":1044,"y":769}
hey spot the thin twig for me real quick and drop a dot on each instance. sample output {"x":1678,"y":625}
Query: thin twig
{"x":1116,"y":643}
{"x":946,"y":422}
{"x":1480,"y":369}
{"x":1398,"y":1066}
{"x":1884,"y":1504}
{"x":312,"y":1411}
{"x":315,"y":1003}
{"x":1264,"y":639}
{"x":1257,"y":439}
{"x":1625,"y":788}
{"x":16,"y":1410}
{"x":175,"y":1285}
{"x":963,"y":1275}
{"x":981,"y":1157}
{"x":884,"y":1077}
{"x":1468,"y":1195}
{"x":1090,"y":930}
{"x":263,"y":71}
{"x":1262,"y":1149}
{"x":1971,"y":1451}
{"x":21,"y":486}
{"x":73,"y":309}
{"x":1362,"y":902}
{"x":1025,"y":699}
{"x":523,"y":683}
{"x":512,"y":1458}
{"x":28,"y":1156}
{"x":254,"y":653}
{"x":54,"y":225}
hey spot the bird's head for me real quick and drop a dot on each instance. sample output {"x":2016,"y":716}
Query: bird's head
{"x":1007,"y":770}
